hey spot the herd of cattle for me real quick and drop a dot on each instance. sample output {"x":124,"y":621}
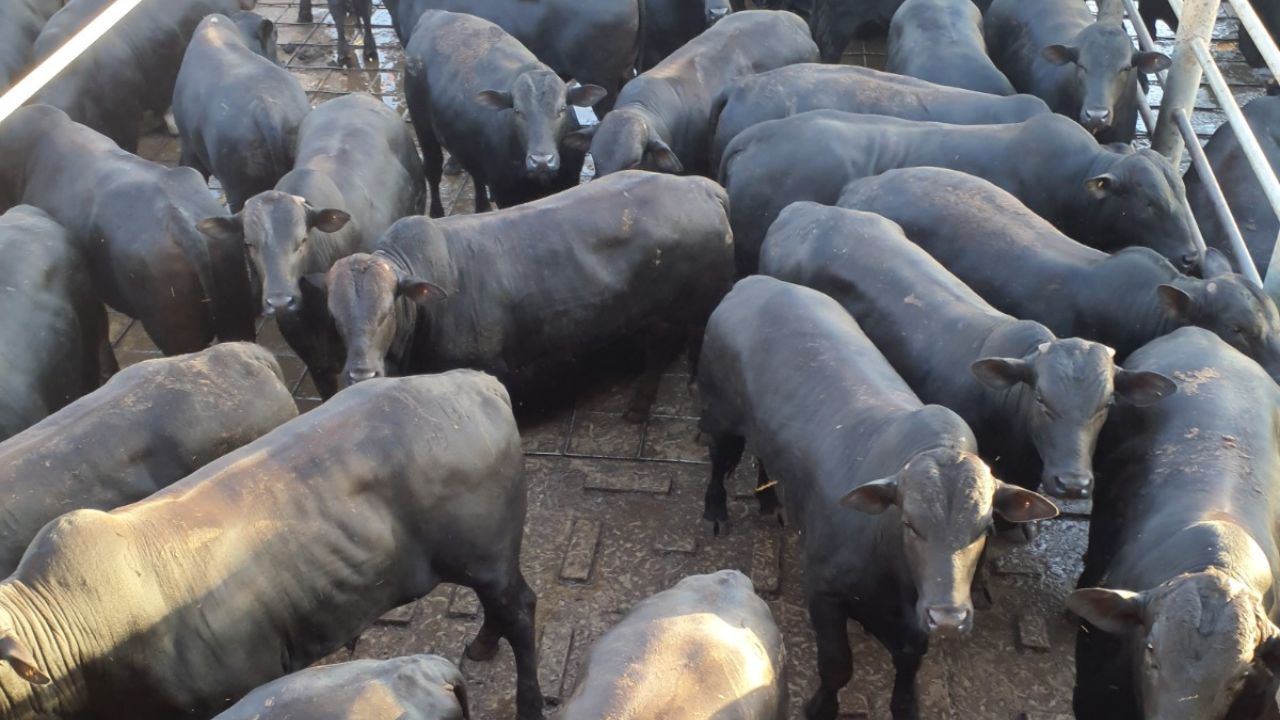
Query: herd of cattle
{"x":940,"y":282}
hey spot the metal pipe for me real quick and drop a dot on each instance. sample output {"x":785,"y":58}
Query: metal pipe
{"x":1196,"y":24}
{"x":1251,"y":23}
{"x":27,"y":87}
{"x":1251,"y":149}
{"x":1244,"y":261}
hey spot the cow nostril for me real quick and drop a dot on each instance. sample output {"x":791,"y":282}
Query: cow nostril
{"x":1072,"y":486}
{"x":277,"y":303}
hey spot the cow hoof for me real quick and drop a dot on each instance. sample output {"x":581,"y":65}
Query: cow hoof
{"x":634,"y":416}
{"x":305,"y":17}
{"x":371,"y":54}
{"x":481,"y":650}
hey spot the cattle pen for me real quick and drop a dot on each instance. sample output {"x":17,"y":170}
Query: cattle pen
{"x":615,"y":508}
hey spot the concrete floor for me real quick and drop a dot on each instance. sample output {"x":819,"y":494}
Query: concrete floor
{"x":615,"y":509}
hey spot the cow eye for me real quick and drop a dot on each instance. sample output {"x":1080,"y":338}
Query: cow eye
{"x":911,"y":527}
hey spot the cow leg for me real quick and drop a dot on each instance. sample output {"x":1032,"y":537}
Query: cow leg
{"x":304,"y":12}
{"x":509,"y":612}
{"x":370,"y":44}
{"x":834,"y":23}
{"x":187,"y":157}
{"x":835,"y":658}
{"x":905,"y":704}
{"x":98,"y":362}
{"x":726,"y":452}
{"x":660,"y":348}
{"x":482,"y":193}
{"x":432,"y":161}
{"x":338,"y":11}
{"x":767,"y":493}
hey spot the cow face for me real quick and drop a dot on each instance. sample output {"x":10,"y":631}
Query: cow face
{"x":624,"y":140}
{"x":1200,"y":640}
{"x":1142,"y":196}
{"x":363,"y":292}
{"x":1106,"y":68}
{"x":945,"y":499}
{"x":1071,"y":385}
{"x":540,"y":116}
{"x":716,"y":10}
{"x":1232,"y":308}
{"x":275,"y":227}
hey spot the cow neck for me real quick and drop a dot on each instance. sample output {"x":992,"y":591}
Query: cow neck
{"x":1124,"y":321}
{"x":55,"y":639}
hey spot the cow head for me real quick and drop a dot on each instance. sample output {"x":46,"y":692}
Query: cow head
{"x":1141,"y":196}
{"x":945,"y":499}
{"x":625,"y":140}
{"x":1199,"y":640}
{"x":363,"y":292}
{"x":1072,"y":384}
{"x":1106,"y":67}
{"x":275,"y":227}
{"x":539,"y":104}
{"x":716,"y":10}
{"x":1229,"y":306}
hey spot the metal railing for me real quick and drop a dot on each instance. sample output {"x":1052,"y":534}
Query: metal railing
{"x":1192,"y":62}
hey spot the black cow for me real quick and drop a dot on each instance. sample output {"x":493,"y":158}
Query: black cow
{"x":1035,"y":402}
{"x":149,"y":426}
{"x":137,"y":219}
{"x":266,"y":560}
{"x":237,"y":113}
{"x":259,"y":34}
{"x":941,"y":41}
{"x":663,"y":119}
{"x":634,"y":254}
{"x":979,"y":232}
{"x":503,"y":115}
{"x":595,"y":43}
{"x":668,"y":24}
{"x":415,"y":687}
{"x":1105,"y":197}
{"x":1183,"y":546}
{"x":53,"y":329}
{"x":836,"y":22}
{"x":1248,"y":203}
{"x":20,"y":23}
{"x":889,"y":494}
{"x":130,"y":71}
{"x":1084,"y":69}
{"x":719,"y":631}
{"x":357,"y":172}
{"x":362,"y":10}
{"x":810,"y":86}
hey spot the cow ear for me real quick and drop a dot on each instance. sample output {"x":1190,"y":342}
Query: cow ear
{"x":420,"y":291}
{"x":494,"y":99}
{"x":874,"y":497}
{"x":327,"y":220}
{"x":586,"y":95}
{"x":20,"y":659}
{"x":580,"y":140}
{"x":222,"y":228}
{"x":1060,"y":54}
{"x":1151,"y":62}
{"x":1113,"y":611}
{"x":664,"y":158}
{"x":1018,"y":505}
{"x":1142,"y":388}
{"x":1100,"y":186}
{"x":1177,"y":302}
{"x":266,"y":29}
{"x":1215,"y":264}
{"x":1002,"y":373}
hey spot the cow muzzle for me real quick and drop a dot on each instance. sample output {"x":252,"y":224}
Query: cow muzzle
{"x":1095,"y":119}
{"x":360,"y":374}
{"x":714,"y":16}
{"x":1068,"y":485}
{"x":542,"y":165}
{"x":948,"y":620}
{"x":276,"y":304}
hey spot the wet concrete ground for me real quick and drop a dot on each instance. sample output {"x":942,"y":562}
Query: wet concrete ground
{"x":614,"y":512}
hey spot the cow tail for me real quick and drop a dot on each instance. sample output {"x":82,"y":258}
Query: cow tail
{"x":460,"y":692}
{"x":639,"y":39}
